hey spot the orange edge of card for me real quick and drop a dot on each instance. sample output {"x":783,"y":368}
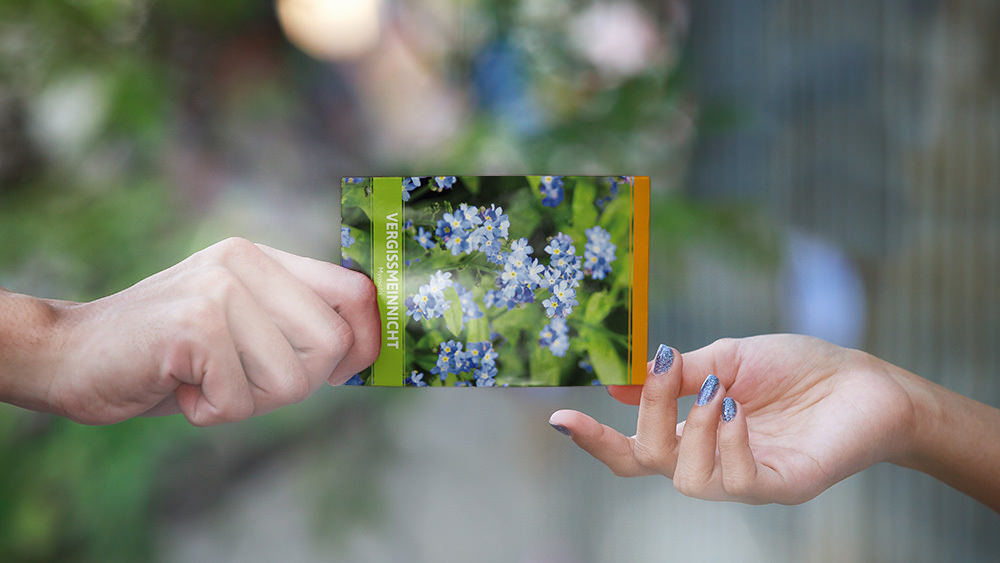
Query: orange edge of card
{"x":640,"y":279}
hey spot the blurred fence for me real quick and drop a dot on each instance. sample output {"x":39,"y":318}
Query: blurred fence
{"x":876,"y":127}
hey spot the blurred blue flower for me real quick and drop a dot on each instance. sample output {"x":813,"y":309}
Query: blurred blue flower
{"x":346,"y":262}
{"x":562,"y":301}
{"x":416,"y":379}
{"x":559,"y":245}
{"x":517,"y":282}
{"x":457,"y":243}
{"x":443,"y":183}
{"x":429,"y":301}
{"x":355,"y":180}
{"x":477,"y":362}
{"x":555,"y":336}
{"x":424,"y":238}
{"x":615,"y":182}
{"x":599,"y":253}
{"x":346,"y":240}
{"x":551,"y":188}
{"x":450,"y":359}
{"x":502,"y":87}
{"x":470,"y":310}
{"x":586,"y":366}
{"x":355,"y":380}
{"x":485,"y":376}
{"x":409,"y":184}
{"x":562,"y":276}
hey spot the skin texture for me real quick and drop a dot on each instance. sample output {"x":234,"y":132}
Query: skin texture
{"x":808,"y":414}
{"x":235,"y":330}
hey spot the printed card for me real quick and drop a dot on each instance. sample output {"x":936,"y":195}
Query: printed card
{"x":487,"y":281}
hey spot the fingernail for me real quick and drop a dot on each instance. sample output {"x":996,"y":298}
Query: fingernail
{"x":663,"y":360}
{"x":560,"y":428}
{"x":708,"y":390}
{"x":728,"y":409}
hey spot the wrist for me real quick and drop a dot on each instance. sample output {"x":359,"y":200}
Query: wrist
{"x":923,"y":423}
{"x":31,"y":338}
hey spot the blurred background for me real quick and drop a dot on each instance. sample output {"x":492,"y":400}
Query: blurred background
{"x":828,"y":168}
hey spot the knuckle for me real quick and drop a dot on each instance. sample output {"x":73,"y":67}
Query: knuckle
{"x":619,"y":470}
{"x":295,"y":388}
{"x":686,"y":486}
{"x":364,"y":289}
{"x":235,"y":247}
{"x":341,"y":339}
{"x":647,"y":457}
{"x":737,"y":485}
{"x":332,"y":343}
{"x":219,"y":281}
{"x":727,"y":349}
{"x":236,"y":410}
{"x":722,"y":345}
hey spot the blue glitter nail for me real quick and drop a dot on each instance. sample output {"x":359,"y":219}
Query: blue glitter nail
{"x":560,"y":428}
{"x":728,"y":409}
{"x":663,"y":360}
{"x":708,"y":390}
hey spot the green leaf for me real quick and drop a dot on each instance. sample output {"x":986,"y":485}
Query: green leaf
{"x":598,"y":307}
{"x":607,"y":362}
{"x":584,"y":210}
{"x":353,"y":195}
{"x":453,"y":315}
{"x":534,"y":182}
{"x":544,"y":366}
{"x":472,"y":183}
{"x":479,"y":330}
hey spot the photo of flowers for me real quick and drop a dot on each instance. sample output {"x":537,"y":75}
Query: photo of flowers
{"x":490,"y":281}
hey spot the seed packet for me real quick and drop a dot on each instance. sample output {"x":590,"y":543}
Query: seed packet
{"x":488,"y":281}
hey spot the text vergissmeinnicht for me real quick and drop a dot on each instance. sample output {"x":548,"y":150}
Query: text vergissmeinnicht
{"x":392,"y":283}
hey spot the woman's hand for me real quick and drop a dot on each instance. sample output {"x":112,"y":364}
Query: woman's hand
{"x":235,"y":330}
{"x":800,"y":414}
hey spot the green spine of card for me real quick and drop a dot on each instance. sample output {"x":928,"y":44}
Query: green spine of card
{"x":387,"y":273}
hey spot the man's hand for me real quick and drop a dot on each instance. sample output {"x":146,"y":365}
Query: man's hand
{"x":235,"y":330}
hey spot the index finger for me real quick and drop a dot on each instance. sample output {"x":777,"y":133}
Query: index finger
{"x":352,"y":295}
{"x":609,"y":446}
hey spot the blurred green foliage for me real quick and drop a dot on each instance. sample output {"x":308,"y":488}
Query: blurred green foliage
{"x":83,"y":221}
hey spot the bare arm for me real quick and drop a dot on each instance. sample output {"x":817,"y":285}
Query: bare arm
{"x":235,"y":330}
{"x":955,"y":439}
{"x":781,"y":418}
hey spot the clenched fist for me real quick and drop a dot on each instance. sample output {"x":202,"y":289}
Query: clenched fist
{"x":235,"y":330}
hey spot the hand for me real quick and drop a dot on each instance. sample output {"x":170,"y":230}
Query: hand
{"x":807,"y":415}
{"x":235,"y":330}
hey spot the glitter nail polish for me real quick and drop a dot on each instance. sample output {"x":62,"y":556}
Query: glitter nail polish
{"x":560,"y":428}
{"x":708,"y":390}
{"x":663,"y":360}
{"x":728,"y":409}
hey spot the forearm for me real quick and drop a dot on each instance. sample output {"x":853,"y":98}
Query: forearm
{"x":29,"y":346}
{"x":955,"y":439}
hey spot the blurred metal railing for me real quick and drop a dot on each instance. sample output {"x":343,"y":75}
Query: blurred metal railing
{"x":877,"y":127}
